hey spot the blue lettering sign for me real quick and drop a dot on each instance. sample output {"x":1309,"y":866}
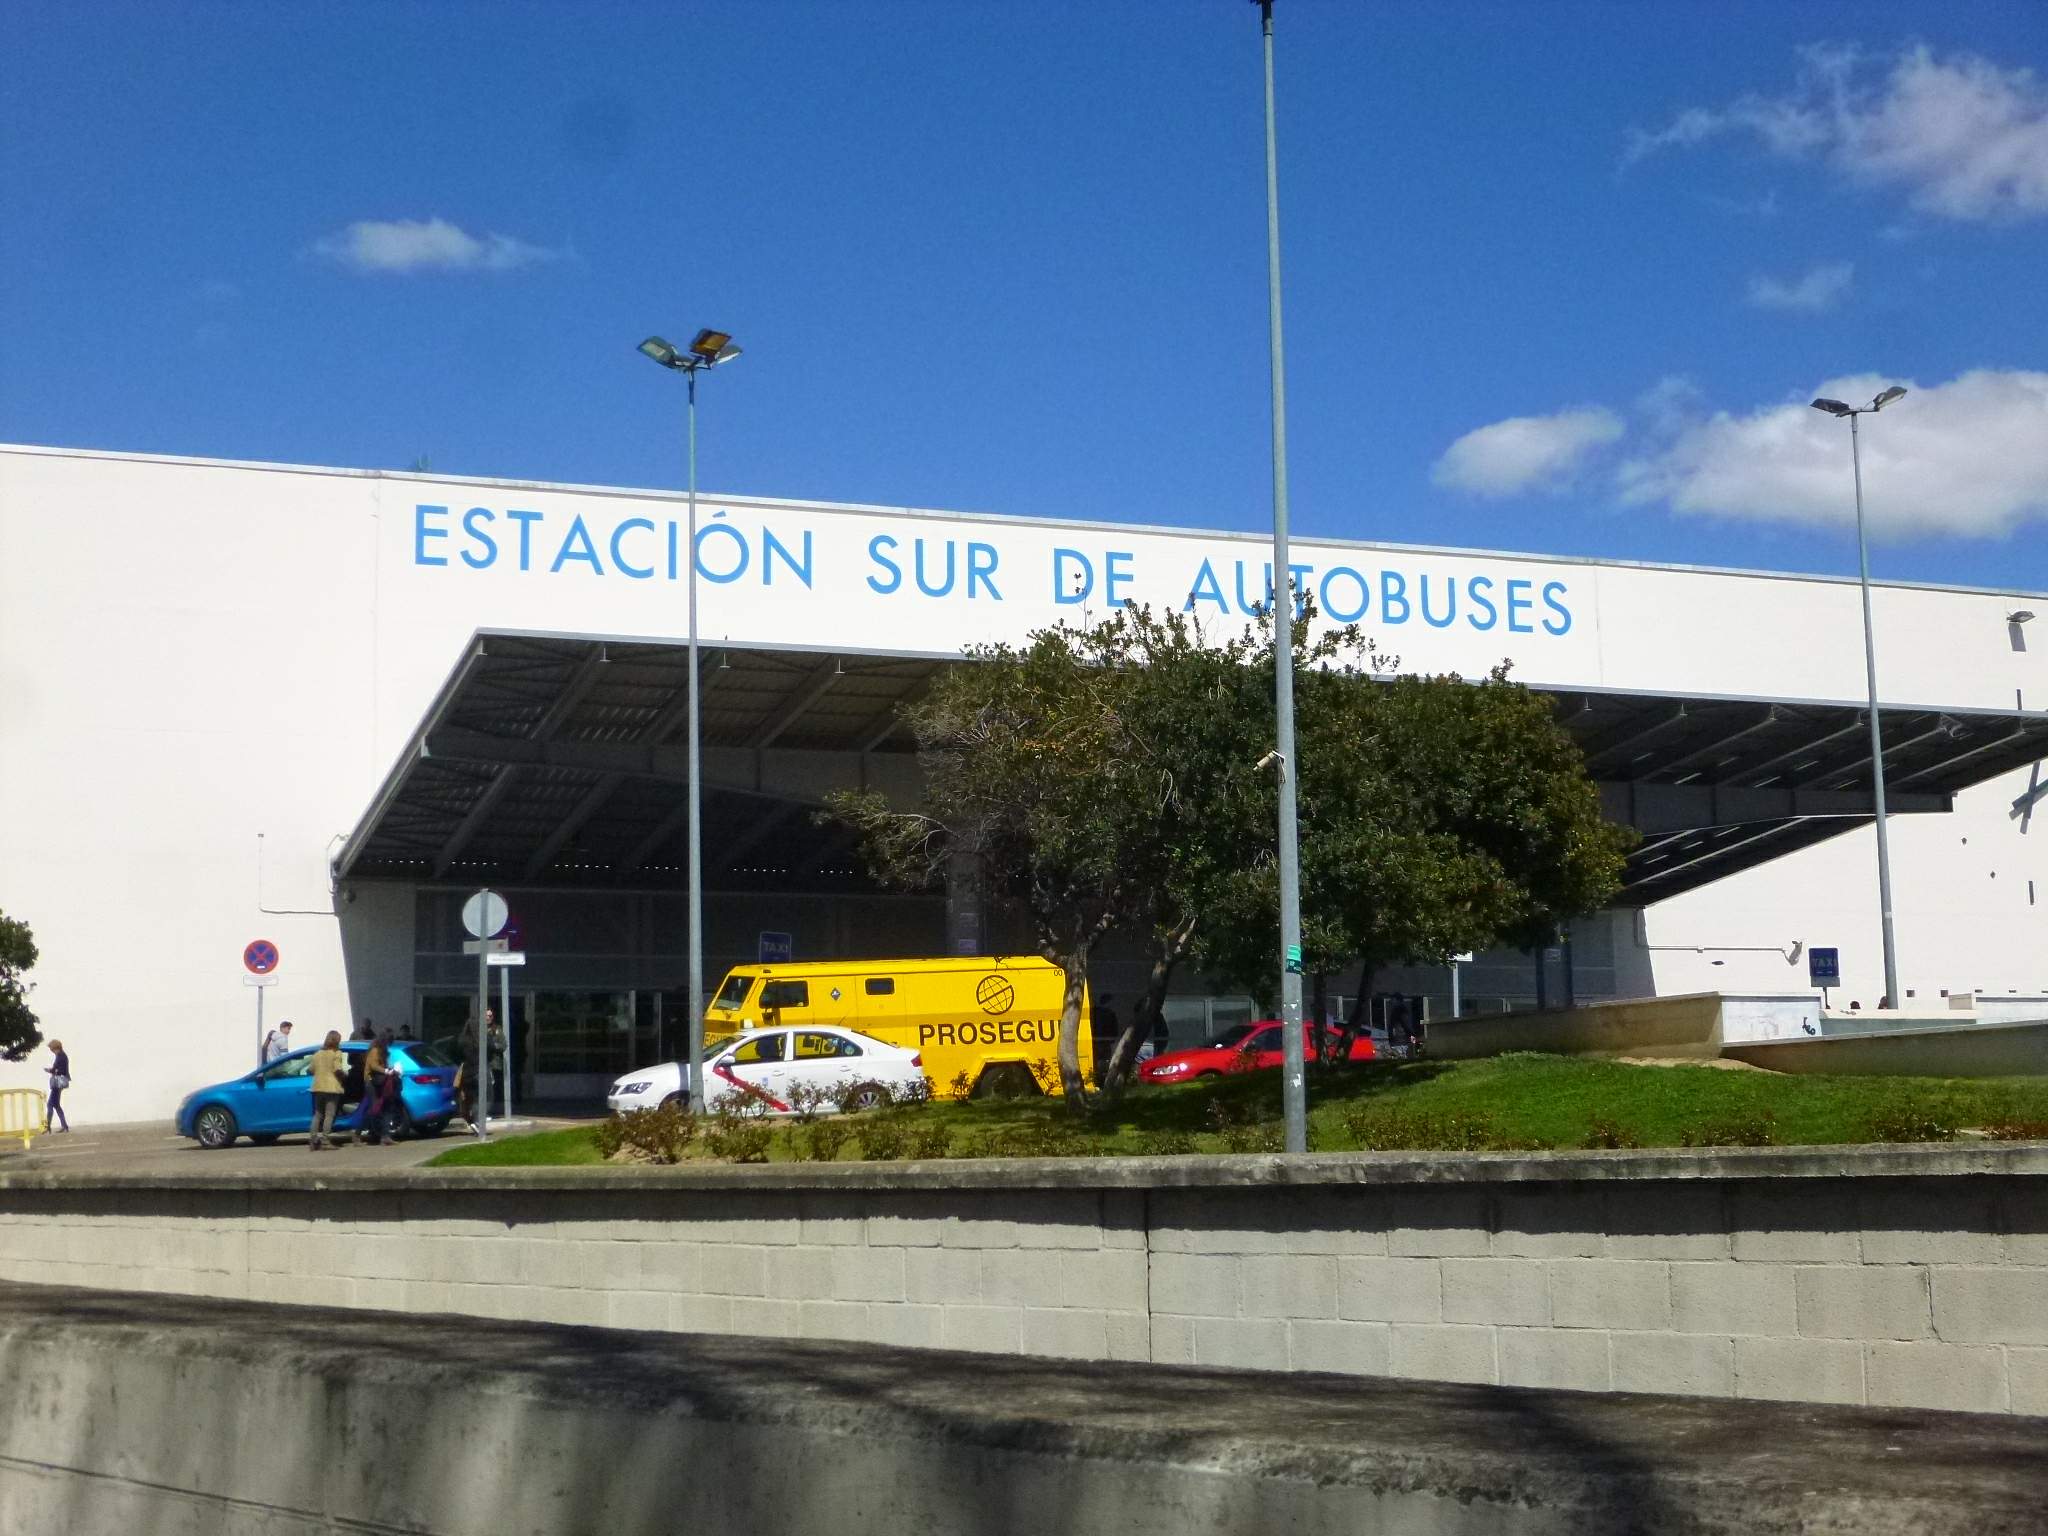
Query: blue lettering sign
{"x":619,"y":560}
{"x":421,"y":533}
{"x":1075,"y":588}
{"x":878,"y":551}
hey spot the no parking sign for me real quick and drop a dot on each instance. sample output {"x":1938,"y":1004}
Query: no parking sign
{"x":260,"y":957}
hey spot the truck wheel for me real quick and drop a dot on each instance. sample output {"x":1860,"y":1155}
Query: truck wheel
{"x":1006,"y":1080}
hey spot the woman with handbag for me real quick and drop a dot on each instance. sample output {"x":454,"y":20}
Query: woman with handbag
{"x":60,"y":1079}
{"x":328,"y":1066}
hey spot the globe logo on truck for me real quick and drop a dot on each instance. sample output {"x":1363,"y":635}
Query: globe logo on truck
{"x":995,"y":994}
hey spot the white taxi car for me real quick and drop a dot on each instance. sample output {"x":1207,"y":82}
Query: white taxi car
{"x":771,"y":1069}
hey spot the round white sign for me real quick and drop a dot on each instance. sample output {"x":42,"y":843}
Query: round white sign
{"x":484,"y":915}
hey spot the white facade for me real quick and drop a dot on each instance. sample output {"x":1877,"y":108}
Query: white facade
{"x":207,"y":669}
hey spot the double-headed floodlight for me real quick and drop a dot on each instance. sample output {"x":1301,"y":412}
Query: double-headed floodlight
{"x":707,"y":350}
{"x":1836,"y":408}
{"x":1884,"y":856}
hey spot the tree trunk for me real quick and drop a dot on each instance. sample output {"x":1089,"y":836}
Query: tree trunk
{"x":1319,"y":1000}
{"x":1360,"y":1006}
{"x":1146,"y":1013}
{"x":1072,"y":1083}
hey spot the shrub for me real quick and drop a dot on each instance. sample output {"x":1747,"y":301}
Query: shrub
{"x":1749,"y":1128}
{"x":807,"y":1101}
{"x":1396,"y":1130}
{"x":1606,"y":1133}
{"x":2018,"y":1130}
{"x":820,"y":1141}
{"x":1165,"y":1144}
{"x":1910,"y":1122}
{"x":881,"y":1138}
{"x":1241,"y":1132}
{"x":661,"y":1135}
{"x":1035,"y":1139}
{"x":928,"y":1139}
{"x":738,"y":1135}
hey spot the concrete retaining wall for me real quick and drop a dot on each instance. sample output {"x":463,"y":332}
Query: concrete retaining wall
{"x":180,"y":1417}
{"x":1686,"y":1027}
{"x":1969,"y":1050}
{"x":1903,"y":1276}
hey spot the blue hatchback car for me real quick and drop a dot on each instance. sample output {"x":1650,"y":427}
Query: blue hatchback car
{"x":277,"y":1099}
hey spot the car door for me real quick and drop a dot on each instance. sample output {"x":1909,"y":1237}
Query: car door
{"x":281,"y":1098}
{"x":824,"y":1062}
{"x":1261,"y":1048}
{"x":755,"y":1072}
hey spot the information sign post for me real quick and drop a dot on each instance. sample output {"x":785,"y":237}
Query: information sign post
{"x":259,"y":959}
{"x":484,"y":915}
{"x":1824,"y":970}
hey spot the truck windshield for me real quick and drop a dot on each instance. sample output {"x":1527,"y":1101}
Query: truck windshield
{"x":734,"y":992}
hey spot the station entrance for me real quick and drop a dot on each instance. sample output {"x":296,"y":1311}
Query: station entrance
{"x":553,"y":769}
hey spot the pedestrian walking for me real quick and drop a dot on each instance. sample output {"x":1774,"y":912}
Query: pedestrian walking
{"x":328,"y":1067}
{"x":60,"y":1079}
{"x":277,"y":1042}
{"x":380,"y":1081}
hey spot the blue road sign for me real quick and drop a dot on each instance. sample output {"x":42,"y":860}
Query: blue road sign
{"x":777,"y":948}
{"x":1824,"y":967}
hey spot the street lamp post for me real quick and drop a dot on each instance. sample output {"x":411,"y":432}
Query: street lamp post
{"x":1892,"y":995}
{"x":1293,"y":1089}
{"x":708,"y":350}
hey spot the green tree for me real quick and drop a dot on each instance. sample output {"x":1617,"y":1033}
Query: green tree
{"x":18,"y":1032}
{"x":1100,"y":776}
{"x":1437,"y":816}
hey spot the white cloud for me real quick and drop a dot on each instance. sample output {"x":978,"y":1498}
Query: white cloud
{"x":419,"y":245}
{"x":1820,"y":289}
{"x":1965,"y":138}
{"x":1968,"y":458}
{"x":1526,"y":453}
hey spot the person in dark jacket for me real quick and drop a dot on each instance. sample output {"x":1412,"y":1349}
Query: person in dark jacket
{"x":60,"y":1079}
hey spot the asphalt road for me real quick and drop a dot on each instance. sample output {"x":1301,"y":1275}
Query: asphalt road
{"x":153,"y":1148}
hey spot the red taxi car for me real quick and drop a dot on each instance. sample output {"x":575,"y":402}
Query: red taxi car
{"x":1252,"y":1051}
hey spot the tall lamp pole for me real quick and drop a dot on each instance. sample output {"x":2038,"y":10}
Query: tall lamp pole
{"x":1884,"y":853}
{"x":1293,"y":1088}
{"x":708,"y":350}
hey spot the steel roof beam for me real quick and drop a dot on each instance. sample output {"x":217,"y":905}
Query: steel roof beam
{"x":771,"y":730}
{"x":552,"y":718}
{"x":1775,"y":829}
{"x":1771,"y":716}
{"x":672,"y":714}
{"x":1649,"y":733}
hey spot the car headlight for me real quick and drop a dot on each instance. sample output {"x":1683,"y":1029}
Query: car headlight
{"x":622,"y":1089}
{"x":1171,"y":1069}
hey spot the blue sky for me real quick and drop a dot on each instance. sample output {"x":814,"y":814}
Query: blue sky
{"x":1558,"y":277}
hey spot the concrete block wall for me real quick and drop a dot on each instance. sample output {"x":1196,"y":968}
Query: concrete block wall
{"x":1915,"y":1290}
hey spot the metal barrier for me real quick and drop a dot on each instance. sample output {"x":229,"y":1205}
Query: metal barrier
{"x":21,"y":1113}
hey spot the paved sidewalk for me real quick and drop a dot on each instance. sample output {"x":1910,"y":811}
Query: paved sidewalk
{"x":152,"y":1147}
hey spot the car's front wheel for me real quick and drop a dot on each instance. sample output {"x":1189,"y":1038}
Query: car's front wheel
{"x":215,"y":1127}
{"x":675,"y":1101}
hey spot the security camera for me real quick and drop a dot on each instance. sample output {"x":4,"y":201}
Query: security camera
{"x":1269,"y":760}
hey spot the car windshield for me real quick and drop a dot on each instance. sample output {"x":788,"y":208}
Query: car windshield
{"x":1231,"y":1036}
{"x":427,"y":1055}
{"x":734,"y":992}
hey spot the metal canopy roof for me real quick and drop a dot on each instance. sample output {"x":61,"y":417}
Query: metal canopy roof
{"x":561,"y":761}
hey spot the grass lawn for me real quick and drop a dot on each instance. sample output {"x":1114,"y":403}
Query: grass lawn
{"x":1519,"y":1100}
